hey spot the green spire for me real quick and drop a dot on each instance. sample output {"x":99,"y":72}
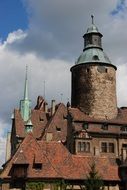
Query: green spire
{"x":26,"y":85}
{"x":25,"y":103}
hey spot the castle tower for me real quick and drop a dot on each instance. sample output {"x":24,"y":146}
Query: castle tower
{"x":94,"y":79}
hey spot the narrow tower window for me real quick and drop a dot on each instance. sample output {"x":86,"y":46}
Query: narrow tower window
{"x":88,"y":70}
{"x":95,"y":57}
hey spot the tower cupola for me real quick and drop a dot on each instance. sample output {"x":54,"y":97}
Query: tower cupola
{"x":92,"y":38}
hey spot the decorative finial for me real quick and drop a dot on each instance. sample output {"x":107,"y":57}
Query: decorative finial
{"x":26,"y":84}
{"x":44,"y":89}
{"x":92,"y":19}
{"x":61,"y":97}
{"x":26,"y":71}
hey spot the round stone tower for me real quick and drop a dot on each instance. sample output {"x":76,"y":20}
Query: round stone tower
{"x":94,"y":79}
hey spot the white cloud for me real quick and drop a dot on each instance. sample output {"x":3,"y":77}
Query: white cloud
{"x":121,"y":85}
{"x":18,"y":35}
{"x":3,"y":126}
{"x":54,"y":72}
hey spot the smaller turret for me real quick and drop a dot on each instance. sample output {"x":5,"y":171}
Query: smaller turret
{"x":92,"y":38}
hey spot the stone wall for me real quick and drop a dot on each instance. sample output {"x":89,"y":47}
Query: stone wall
{"x":5,"y":186}
{"x":94,"y":90}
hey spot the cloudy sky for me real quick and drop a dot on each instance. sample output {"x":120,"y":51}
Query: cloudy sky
{"x":47,"y":36}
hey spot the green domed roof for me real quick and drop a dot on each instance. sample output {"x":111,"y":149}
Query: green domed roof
{"x":92,"y":29}
{"x":93,"y":55}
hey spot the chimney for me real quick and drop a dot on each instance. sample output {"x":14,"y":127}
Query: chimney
{"x":46,"y":107}
{"x":52,"y":107}
{"x":8,"y":146}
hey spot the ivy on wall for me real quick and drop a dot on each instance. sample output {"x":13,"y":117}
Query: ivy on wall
{"x":34,"y":186}
{"x":57,"y":185}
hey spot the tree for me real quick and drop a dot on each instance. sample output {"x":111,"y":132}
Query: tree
{"x":93,"y":180}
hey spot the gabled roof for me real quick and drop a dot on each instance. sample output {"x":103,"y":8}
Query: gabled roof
{"x":78,"y":115}
{"x":39,"y":121}
{"x":58,"y":124}
{"x":20,"y":159}
{"x":31,"y":150}
{"x":58,"y":162}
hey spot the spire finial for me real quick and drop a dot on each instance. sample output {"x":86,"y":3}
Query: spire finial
{"x":26,"y":71}
{"x":92,"y":19}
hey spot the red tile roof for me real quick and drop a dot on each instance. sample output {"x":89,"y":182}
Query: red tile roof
{"x":58,"y":162}
{"x":58,"y":124}
{"x":78,"y":115}
{"x":39,"y":121}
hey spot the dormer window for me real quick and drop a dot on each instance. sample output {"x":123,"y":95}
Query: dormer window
{"x":123,"y":128}
{"x":58,"y":129}
{"x":37,"y":166}
{"x":95,"y":58}
{"x":85,"y":126}
{"x":41,"y":119}
{"x":83,"y":146}
{"x":104,"y":126}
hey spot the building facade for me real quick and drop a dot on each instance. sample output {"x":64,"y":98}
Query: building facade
{"x":54,"y":147}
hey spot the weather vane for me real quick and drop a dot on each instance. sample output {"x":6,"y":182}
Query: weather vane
{"x":92,"y":19}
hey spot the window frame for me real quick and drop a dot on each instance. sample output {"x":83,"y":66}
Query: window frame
{"x":83,"y":147}
{"x":109,"y":147}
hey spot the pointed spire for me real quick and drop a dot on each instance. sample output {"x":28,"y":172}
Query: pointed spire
{"x":25,"y":103}
{"x":26,"y":85}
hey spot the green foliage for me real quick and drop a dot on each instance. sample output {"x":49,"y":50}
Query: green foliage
{"x":59,"y":185}
{"x":93,"y":180}
{"x":35,"y":186}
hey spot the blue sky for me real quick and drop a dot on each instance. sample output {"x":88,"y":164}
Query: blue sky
{"x":120,"y":7}
{"x":12,"y":17}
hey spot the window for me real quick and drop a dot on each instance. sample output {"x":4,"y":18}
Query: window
{"x":104,"y":126}
{"x":87,"y":148}
{"x":85,"y":126}
{"x":107,"y":147}
{"x":79,"y":146}
{"x":41,"y":119}
{"x":58,"y":129}
{"x":124,"y":146}
{"x":88,"y":70}
{"x":95,"y":57}
{"x":37,"y":166}
{"x":103,"y":147}
{"x":83,"y":147}
{"x":123,"y":128}
{"x":102,"y":69}
{"x":111,"y":147}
